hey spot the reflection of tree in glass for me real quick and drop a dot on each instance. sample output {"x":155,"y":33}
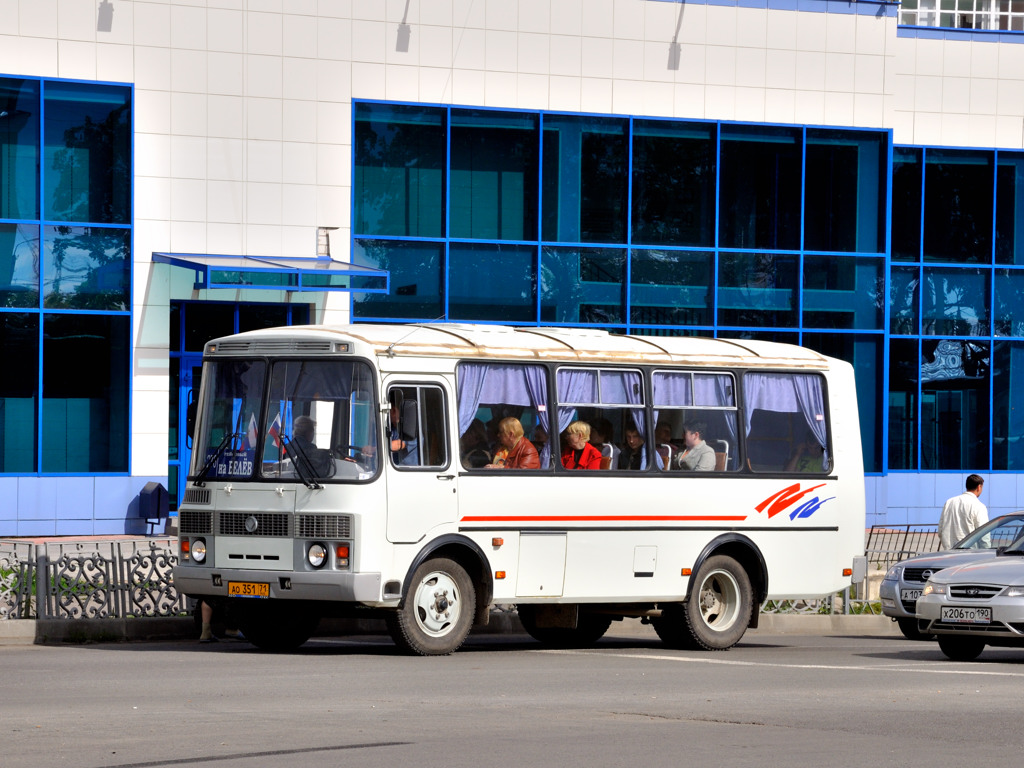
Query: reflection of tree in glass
{"x":94,"y":167}
{"x":87,"y":269}
{"x":19,"y":266}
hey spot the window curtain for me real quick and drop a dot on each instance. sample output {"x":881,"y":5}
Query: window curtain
{"x":789,"y":393}
{"x":501,"y":383}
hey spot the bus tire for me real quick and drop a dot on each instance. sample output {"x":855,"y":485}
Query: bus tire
{"x":590,"y":627}
{"x":280,"y":627}
{"x":437,"y":613}
{"x":718,"y":611}
{"x":961,"y":648}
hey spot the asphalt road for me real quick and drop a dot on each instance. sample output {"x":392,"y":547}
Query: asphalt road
{"x":774,"y":700}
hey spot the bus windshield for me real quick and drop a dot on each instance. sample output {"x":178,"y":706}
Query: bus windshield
{"x":304,"y":420}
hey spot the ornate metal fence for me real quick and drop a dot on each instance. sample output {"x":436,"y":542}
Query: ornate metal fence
{"x":88,"y":579}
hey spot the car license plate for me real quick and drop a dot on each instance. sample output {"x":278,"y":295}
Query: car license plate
{"x":248,"y":589}
{"x":956,"y":614}
{"x":910,"y":594}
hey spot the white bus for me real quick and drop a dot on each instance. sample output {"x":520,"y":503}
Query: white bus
{"x":358,"y":470}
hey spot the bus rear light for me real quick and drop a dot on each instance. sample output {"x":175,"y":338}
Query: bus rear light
{"x":687,"y":571}
{"x":499,"y":574}
{"x":847,"y":571}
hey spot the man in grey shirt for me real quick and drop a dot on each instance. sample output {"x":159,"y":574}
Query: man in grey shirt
{"x":698,"y":456}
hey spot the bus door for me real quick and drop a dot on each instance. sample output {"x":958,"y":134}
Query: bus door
{"x":421,"y":476}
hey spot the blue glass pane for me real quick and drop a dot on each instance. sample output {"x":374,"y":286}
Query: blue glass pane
{"x":492,"y":283}
{"x":844,"y":292}
{"x":19,"y":265}
{"x":1009,"y":306}
{"x":759,"y":187}
{"x":954,"y":404}
{"x":673,"y":183}
{"x":757,"y":290}
{"x":904,"y":371}
{"x":864,"y":353}
{"x":845,"y":195}
{"x":955,"y":302}
{"x":585,"y":179}
{"x":86,"y":268}
{"x":85,"y":393}
{"x":87,"y":153}
{"x":958,"y":206}
{"x":493,"y":175}
{"x":19,"y":149}
{"x":19,"y":339}
{"x":399,"y":170}
{"x":582,"y":285}
{"x":782,"y":337}
{"x":1007,"y":416}
{"x":416,"y":280}
{"x":1010,"y":208}
{"x":671,"y":287}
{"x":904,"y":300}
{"x":906,"y":204}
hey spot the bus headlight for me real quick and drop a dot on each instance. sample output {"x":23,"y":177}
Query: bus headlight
{"x":199,"y":551}
{"x":317,"y":555}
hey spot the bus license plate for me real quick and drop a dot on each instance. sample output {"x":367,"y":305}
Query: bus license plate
{"x":248,"y":589}
{"x":956,"y":614}
{"x":909,"y":594}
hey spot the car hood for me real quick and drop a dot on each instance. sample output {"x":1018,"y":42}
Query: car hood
{"x":947,"y":559}
{"x":1008,"y":571}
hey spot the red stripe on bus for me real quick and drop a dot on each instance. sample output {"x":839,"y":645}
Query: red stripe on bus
{"x":591,"y":518}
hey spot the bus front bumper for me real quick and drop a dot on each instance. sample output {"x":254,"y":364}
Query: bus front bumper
{"x":327,"y":586}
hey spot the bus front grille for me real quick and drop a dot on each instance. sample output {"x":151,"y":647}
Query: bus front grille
{"x":324,"y":527}
{"x":194,"y":521}
{"x":253,"y":524}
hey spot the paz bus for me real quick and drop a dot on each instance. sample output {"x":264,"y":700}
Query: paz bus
{"x":356,"y":470}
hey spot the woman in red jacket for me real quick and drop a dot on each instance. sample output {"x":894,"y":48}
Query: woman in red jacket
{"x":579,"y":454}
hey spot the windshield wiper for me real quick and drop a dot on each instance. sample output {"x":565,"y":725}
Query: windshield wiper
{"x":295,"y":452}
{"x":201,"y":477}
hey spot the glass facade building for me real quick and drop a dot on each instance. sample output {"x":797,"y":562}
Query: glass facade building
{"x":65,"y":275}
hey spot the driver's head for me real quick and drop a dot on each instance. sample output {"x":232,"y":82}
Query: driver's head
{"x":304,"y":427}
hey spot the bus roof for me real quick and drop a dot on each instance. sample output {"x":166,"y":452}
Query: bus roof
{"x":545,"y":344}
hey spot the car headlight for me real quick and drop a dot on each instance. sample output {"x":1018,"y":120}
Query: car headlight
{"x":1014,"y":592}
{"x":317,"y":555}
{"x":894,"y":573}
{"x":199,"y":551}
{"x":931,"y":588}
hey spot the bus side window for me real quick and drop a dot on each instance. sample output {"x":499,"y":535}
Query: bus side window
{"x":416,"y":428}
{"x":788,"y":429}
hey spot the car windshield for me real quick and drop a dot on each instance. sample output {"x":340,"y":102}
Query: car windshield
{"x":1000,"y":532}
{"x":306,"y":420}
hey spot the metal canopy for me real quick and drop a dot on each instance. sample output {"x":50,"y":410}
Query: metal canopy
{"x":277,"y":273}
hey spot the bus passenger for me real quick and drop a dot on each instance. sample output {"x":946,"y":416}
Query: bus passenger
{"x":631,"y":455}
{"x":698,"y":455}
{"x":516,"y":451}
{"x":601,"y":432}
{"x":579,"y":454}
{"x":474,"y":446}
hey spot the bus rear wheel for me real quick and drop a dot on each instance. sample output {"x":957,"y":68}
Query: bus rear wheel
{"x":277,"y":626}
{"x":437,"y":613}
{"x":590,"y":627}
{"x":717,"y":613}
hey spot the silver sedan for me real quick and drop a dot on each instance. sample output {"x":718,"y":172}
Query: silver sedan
{"x":974,"y":605}
{"x":904,"y":582}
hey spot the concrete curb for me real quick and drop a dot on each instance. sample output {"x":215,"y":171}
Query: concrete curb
{"x":151,"y":629}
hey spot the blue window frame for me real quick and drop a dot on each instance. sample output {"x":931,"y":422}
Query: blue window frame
{"x":65,"y":275}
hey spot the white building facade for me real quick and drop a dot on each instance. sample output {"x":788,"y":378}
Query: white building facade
{"x":811,"y":171}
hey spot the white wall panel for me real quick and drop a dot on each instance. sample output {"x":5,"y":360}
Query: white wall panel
{"x":76,"y":20}
{"x":76,"y":60}
{"x":225,"y":30}
{"x":37,"y":18}
{"x":152,"y":24}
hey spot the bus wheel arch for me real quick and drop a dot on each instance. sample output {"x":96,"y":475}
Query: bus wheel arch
{"x":450,"y":579}
{"x":728,"y":583}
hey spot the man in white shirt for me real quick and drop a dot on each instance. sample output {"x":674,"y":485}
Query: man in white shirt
{"x":962,"y":514}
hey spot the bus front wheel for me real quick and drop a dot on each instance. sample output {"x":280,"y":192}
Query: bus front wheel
{"x":437,"y":614}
